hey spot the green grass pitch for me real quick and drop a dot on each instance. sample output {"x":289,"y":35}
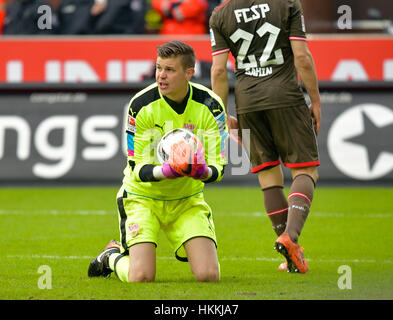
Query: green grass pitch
{"x":64,"y":228}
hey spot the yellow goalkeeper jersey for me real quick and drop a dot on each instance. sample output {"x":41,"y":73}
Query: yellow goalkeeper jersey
{"x":150,"y":116}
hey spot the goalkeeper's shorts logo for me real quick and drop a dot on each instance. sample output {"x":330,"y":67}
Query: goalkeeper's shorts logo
{"x":134,"y":229}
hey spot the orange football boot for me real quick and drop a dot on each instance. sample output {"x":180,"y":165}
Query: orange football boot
{"x":293,"y":253}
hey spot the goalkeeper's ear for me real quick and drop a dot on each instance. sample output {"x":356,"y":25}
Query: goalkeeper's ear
{"x":190,"y":73}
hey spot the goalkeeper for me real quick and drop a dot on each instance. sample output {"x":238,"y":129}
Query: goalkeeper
{"x":155,"y":195}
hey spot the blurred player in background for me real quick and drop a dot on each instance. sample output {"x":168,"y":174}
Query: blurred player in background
{"x":268,"y":40}
{"x":75,"y":16}
{"x":182,"y":16}
{"x":102,"y":16}
{"x":155,"y":196}
{"x":118,"y":16}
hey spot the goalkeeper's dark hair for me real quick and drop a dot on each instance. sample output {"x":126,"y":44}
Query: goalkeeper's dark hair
{"x":175,"y":49}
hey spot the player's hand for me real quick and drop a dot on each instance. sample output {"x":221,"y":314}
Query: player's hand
{"x":199,"y":167}
{"x":233,"y":128}
{"x":315,"y":109}
{"x":185,"y":162}
{"x":168,"y":172}
{"x":180,"y":157}
{"x":98,"y":7}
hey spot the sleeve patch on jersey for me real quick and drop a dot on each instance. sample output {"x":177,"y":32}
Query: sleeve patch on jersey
{"x":130,"y":144}
{"x":212,"y":39}
{"x":131,"y":127}
{"x":220,"y":119}
{"x":224,"y":136}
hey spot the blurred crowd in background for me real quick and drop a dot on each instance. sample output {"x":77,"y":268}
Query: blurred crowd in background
{"x":81,"y":17}
{"x":89,"y":17}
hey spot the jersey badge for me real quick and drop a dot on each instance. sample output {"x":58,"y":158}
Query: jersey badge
{"x":189,"y":126}
{"x":134,"y":229}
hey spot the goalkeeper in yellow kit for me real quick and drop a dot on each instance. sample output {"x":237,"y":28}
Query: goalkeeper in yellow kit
{"x":155,"y":195}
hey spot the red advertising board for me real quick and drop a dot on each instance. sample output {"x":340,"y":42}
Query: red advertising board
{"x":357,"y":58}
{"x":129,"y":59}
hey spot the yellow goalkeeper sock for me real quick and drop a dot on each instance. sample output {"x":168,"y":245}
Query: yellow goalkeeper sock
{"x":120,"y":264}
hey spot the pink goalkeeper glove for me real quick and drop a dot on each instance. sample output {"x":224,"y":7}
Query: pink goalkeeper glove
{"x":199,"y":167}
{"x":168,"y":172}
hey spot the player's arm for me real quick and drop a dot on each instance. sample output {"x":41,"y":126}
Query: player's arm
{"x":215,"y":142}
{"x":220,"y":86}
{"x":304,"y":61}
{"x":220,"y":52}
{"x":305,"y":67}
{"x":219,"y":77}
{"x":219,"y":73}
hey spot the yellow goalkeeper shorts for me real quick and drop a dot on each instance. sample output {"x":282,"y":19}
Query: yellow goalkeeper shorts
{"x":141,"y":218}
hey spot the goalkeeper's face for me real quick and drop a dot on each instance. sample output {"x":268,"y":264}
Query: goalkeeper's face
{"x":172,"y":78}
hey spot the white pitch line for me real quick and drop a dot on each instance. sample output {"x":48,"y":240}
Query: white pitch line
{"x":57,"y":212}
{"x":47,"y":256}
{"x":85,"y":212}
{"x":57,"y":257}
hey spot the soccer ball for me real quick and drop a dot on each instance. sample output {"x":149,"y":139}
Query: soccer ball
{"x":165,"y":145}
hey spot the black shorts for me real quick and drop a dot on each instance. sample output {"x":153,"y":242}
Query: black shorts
{"x":279,"y":135}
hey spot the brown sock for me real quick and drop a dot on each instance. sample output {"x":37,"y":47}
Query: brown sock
{"x":276,"y":206}
{"x":299,"y":203}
